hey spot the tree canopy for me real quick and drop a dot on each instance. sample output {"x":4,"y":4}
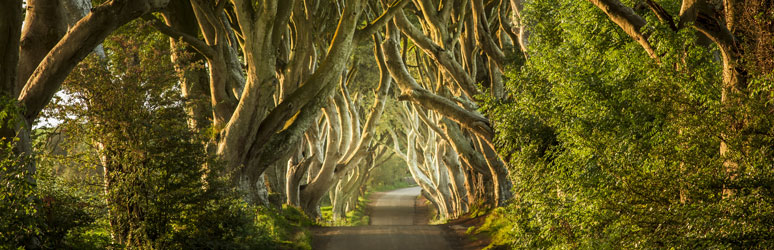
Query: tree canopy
{"x":229,"y":124}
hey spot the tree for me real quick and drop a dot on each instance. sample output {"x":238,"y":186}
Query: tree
{"x":39,"y":57}
{"x":440,"y":45}
{"x":613,"y":139}
{"x":300,"y":83}
{"x":156,"y":188}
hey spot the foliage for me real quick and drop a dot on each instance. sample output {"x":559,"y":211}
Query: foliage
{"x":37,"y":213}
{"x":356,"y":217}
{"x":393,"y":174}
{"x":18,"y":223}
{"x":611,"y":150}
{"x":359,"y":216}
{"x":288,"y":226}
{"x":122,"y":169}
{"x":66,"y":211}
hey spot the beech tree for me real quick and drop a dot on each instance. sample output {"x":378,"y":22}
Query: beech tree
{"x":261,"y":114}
{"x":447,"y":39}
{"x":599,"y":123}
{"x":639,"y":124}
{"x":275,"y":97}
{"x":40,"y":55}
{"x":717,"y":24}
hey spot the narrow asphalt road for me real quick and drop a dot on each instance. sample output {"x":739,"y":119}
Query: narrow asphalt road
{"x":391,"y":228}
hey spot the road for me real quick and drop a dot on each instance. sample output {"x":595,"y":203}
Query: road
{"x":391,"y":228}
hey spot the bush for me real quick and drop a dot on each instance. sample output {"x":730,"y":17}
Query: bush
{"x":18,"y":224}
{"x":610,"y":150}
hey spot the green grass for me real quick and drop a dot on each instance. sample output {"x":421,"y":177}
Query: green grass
{"x":289,"y":227}
{"x":391,"y":186}
{"x":357,"y":217}
{"x":498,"y":226}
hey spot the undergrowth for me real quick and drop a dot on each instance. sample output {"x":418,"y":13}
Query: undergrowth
{"x":357,"y":217}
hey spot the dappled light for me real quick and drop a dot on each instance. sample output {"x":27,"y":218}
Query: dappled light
{"x":387,"y":124}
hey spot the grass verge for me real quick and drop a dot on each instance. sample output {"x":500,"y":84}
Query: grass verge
{"x":357,"y":217}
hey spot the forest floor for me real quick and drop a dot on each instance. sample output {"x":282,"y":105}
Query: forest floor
{"x":399,"y":220}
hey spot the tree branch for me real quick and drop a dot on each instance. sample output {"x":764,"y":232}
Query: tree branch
{"x":380,"y":21}
{"x":438,"y":54}
{"x":76,"y":45}
{"x":689,"y":10}
{"x":329,"y":69}
{"x":10,"y":28}
{"x":662,"y":14}
{"x":629,"y":21}
{"x":197,"y":44}
{"x":412,"y":91}
{"x":484,"y":37}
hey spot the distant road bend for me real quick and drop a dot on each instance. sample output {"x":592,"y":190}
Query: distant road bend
{"x":392,"y":228}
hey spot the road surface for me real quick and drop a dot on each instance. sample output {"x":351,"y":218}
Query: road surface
{"x":391,"y":228}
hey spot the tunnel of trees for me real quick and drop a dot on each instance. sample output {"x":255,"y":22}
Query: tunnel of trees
{"x":579,"y":124}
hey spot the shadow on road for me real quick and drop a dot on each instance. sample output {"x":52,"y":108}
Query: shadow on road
{"x":392,"y":227}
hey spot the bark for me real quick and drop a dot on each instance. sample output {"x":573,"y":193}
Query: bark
{"x":314,"y":191}
{"x":502,"y":184}
{"x":412,"y":157}
{"x":302,"y":55}
{"x":366,"y":136}
{"x":194,"y":82}
{"x":484,"y":38}
{"x":295,"y":173}
{"x":629,"y":21}
{"x":350,"y":151}
{"x":324,"y":77}
{"x":358,"y":148}
{"x":689,"y":11}
{"x":344,"y":195}
{"x":443,"y":56}
{"x":415,"y":93}
{"x":10,"y":26}
{"x":518,"y":33}
{"x":347,"y":124}
{"x":661,"y":14}
{"x":380,"y":21}
{"x":456,"y":180}
{"x":74,"y":46}
{"x":218,"y":51}
{"x":431,"y":162}
{"x":275,"y":179}
{"x":259,"y":126}
{"x":463,"y":146}
{"x":262,"y":28}
{"x":433,"y":42}
{"x":44,"y":25}
{"x":296,"y":131}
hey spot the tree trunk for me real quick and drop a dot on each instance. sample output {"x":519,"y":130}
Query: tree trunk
{"x":194,"y":82}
